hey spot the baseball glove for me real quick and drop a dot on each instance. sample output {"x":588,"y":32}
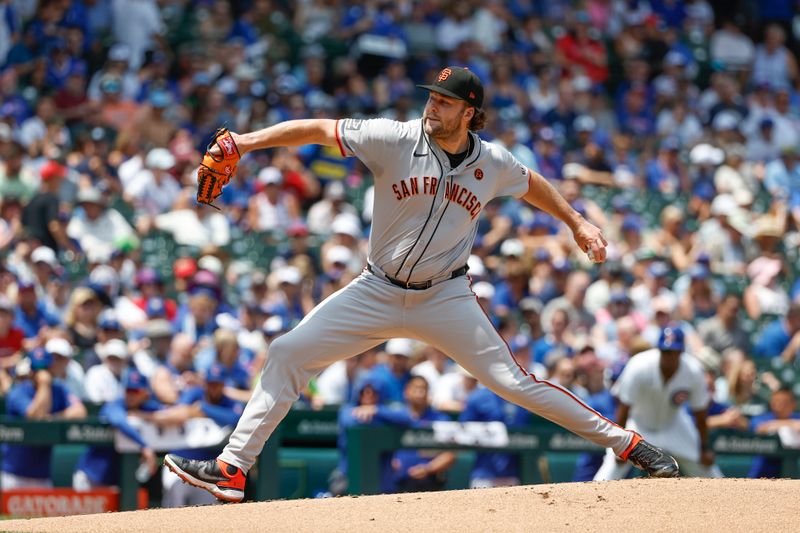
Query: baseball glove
{"x":216,"y":170}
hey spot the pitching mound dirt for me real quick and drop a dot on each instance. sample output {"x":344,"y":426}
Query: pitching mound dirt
{"x":728,"y":505}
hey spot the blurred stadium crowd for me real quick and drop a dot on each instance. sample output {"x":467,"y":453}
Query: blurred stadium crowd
{"x":673,"y":125}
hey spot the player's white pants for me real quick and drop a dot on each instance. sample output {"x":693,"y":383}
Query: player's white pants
{"x":680,"y":439}
{"x":81,"y":481}
{"x":12,"y":481}
{"x":370,"y":311}
{"x":179,"y":494}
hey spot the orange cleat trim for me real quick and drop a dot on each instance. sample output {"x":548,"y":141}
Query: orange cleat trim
{"x":634,"y":441}
{"x":237,"y":481}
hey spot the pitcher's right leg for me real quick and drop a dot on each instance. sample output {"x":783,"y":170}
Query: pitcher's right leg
{"x":350,"y":321}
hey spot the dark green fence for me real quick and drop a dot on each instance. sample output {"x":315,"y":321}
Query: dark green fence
{"x":96,"y":433}
{"x":367,"y":444}
{"x":307,"y":430}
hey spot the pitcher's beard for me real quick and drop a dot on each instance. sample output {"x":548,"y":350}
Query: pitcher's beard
{"x":438,"y":130}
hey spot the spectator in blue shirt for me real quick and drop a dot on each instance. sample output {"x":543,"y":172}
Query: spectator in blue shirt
{"x":367,"y":410}
{"x":494,"y":469}
{"x":665,"y":173}
{"x":555,"y":343}
{"x":100,"y":466}
{"x":782,"y":413}
{"x":395,"y":372}
{"x":31,"y":314}
{"x":228,"y":353}
{"x":781,"y":337}
{"x":782,"y":176}
{"x":36,"y":396}
{"x":418,"y":470}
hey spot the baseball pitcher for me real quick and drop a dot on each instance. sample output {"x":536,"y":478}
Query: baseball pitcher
{"x":433,"y":177}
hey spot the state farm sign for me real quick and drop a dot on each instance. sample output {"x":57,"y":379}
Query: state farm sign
{"x":58,"y":502}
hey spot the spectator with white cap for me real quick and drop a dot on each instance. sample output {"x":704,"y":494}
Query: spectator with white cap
{"x":485,"y":293}
{"x":104,"y":381}
{"x":345,"y":230}
{"x":334,"y":202}
{"x":737,"y":177}
{"x":153,"y":189}
{"x":337,"y":271}
{"x":212,"y":264}
{"x":271,"y":208}
{"x":190,"y":223}
{"x":725,"y":125}
{"x":724,"y":237}
{"x":452,"y":389}
{"x":293,"y":294}
{"x":65,"y":367}
{"x":97,"y":226}
{"x":45,"y":265}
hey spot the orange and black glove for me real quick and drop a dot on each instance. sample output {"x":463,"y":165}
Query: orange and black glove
{"x":216,"y":170}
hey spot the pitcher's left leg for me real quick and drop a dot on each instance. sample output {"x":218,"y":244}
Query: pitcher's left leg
{"x":453,"y":322}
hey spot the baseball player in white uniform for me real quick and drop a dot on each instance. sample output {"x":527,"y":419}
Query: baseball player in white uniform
{"x":653,"y":391}
{"x":433,"y":176}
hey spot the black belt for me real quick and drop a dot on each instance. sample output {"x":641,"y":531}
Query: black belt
{"x":418,"y":285}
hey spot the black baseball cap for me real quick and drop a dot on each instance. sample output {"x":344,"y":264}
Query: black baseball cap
{"x":458,"y":82}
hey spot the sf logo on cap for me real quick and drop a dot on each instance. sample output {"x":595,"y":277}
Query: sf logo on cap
{"x":444,"y":74}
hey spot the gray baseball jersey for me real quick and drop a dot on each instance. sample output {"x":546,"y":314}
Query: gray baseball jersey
{"x":428,"y":211}
{"x":424,"y":223}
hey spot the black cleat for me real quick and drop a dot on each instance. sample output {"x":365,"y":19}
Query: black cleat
{"x":226,"y":482}
{"x":655,"y":461}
